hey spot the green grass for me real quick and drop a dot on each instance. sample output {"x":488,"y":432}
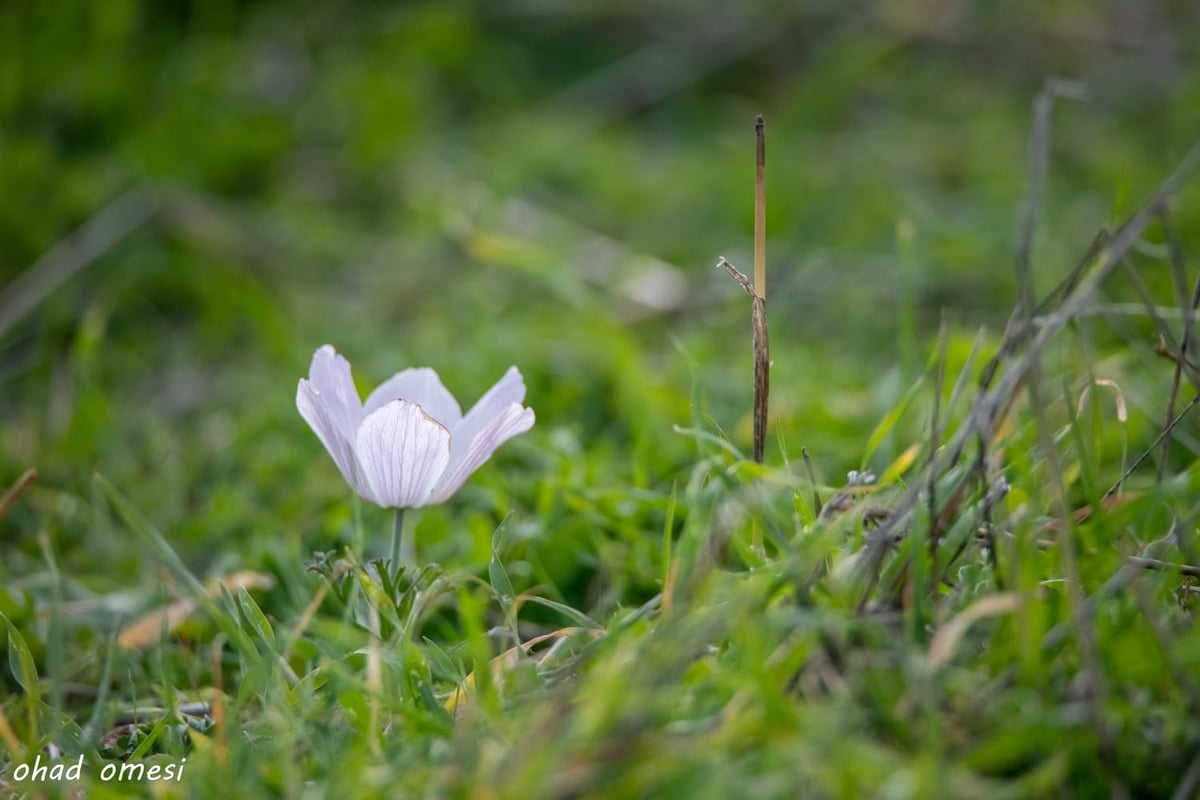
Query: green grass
{"x":466,"y":188}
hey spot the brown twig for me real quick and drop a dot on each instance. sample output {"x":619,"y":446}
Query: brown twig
{"x":760,"y":208}
{"x":762,"y":354}
{"x":10,"y":496}
{"x":762,"y":358}
{"x":1165,"y":566}
{"x":758,"y":292}
{"x":1162,"y":349}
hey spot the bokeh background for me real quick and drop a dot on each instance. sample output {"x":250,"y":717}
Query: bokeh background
{"x":470,"y":185}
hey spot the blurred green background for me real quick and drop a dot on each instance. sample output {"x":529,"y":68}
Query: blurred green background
{"x":470,"y":185}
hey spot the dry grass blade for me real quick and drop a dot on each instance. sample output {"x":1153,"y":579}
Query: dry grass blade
{"x":760,"y":208}
{"x":762,"y":355}
{"x":15,"y":490}
{"x":149,"y":628}
{"x":948,"y":636}
{"x":762,"y":358}
{"x":762,"y":375}
{"x":1169,"y":566}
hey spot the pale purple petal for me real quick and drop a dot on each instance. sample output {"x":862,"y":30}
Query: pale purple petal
{"x":410,"y":445}
{"x":329,"y":376}
{"x":309,"y":404}
{"x":423,"y":387}
{"x":464,"y":456}
{"x":402,"y":452}
{"x":506,"y":391}
{"x":468,"y":454}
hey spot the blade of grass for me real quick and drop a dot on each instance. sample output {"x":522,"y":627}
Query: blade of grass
{"x":889,"y":421}
{"x":24,"y":671}
{"x":669,"y":533}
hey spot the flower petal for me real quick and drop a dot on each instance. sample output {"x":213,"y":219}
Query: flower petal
{"x":421,"y":386}
{"x":506,"y":391}
{"x":468,"y":453}
{"x":402,"y":452}
{"x":329,"y":375}
{"x":329,"y":404}
{"x":316,"y":413}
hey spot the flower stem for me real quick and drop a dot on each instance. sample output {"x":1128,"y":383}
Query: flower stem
{"x":404,"y":551}
{"x":360,"y":537}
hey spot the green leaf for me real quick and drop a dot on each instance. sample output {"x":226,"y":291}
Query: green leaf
{"x":496,"y":572}
{"x":20,"y":660}
{"x":255,"y":617}
{"x":576,"y":616}
{"x":445,"y":663}
{"x":889,"y":421}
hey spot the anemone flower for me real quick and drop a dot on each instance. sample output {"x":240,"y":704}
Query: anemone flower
{"x":409,"y":445}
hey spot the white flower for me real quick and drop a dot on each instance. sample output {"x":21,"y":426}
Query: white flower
{"x":409,"y":445}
